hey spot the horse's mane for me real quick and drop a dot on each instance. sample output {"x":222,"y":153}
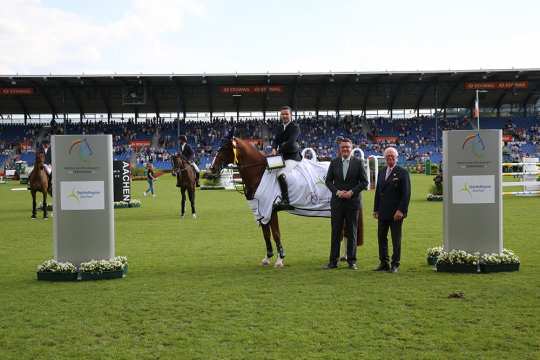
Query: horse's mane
{"x":249,"y":148}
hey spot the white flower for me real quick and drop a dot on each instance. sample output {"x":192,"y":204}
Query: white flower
{"x":55,"y":266}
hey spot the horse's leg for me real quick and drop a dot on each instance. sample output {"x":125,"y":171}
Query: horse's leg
{"x":268,"y":241}
{"x":45,"y":204}
{"x":191,"y":194}
{"x":183,"y":191}
{"x":274,"y":227}
{"x":33,"y":204}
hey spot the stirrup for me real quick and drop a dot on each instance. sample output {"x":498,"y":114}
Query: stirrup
{"x":282,"y":206}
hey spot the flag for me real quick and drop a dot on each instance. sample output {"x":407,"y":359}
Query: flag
{"x":476,"y":112}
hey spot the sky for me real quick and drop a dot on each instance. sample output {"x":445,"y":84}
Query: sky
{"x":213,"y":36}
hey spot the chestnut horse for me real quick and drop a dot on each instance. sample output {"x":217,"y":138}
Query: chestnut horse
{"x":39,"y":181}
{"x":185,"y":180}
{"x":251,"y":165}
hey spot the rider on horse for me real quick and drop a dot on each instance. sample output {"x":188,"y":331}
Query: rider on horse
{"x":286,"y":144}
{"x":188,"y":153}
{"x":46,"y":151}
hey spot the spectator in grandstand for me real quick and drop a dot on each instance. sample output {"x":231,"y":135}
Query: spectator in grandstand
{"x":150,"y":178}
{"x":286,"y":144}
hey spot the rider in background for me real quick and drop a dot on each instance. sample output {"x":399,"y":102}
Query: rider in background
{"x":286,"y":144}
{"x":188,"y":153}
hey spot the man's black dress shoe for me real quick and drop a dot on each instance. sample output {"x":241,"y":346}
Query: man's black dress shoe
{"x":330,"y":266}
{"x":382,"y":267}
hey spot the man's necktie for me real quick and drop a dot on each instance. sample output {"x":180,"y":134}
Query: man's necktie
{"x":345,"y":167}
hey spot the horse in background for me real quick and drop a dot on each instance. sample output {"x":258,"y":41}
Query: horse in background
{"x":186,"y":181}
{"x":39,"y":182}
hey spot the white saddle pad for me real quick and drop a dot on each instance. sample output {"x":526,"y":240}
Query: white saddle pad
{"x":308,"y":193}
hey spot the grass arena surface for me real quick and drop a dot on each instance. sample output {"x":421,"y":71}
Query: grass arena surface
{"x":195,"y":289}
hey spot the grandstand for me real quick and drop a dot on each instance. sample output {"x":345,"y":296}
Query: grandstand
{"x":145,"y":113}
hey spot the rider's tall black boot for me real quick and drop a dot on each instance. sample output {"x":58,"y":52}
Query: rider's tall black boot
{"x":284,"y":204}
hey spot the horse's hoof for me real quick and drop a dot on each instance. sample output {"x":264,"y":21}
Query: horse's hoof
{"x":265,"y":261}
{"x":194,"y":216}
{"x":33,"y":218}
{"x":279,"y":263}
{"x":45,"y":218}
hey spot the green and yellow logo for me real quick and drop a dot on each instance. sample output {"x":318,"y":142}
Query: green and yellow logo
{"x":466,"y":189}
{"x":74,"y":195}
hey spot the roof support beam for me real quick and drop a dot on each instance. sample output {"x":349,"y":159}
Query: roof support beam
{"x":76,"y":98}
{"x":455,"y":85}
{"x":48,"y":99}
{"x":155,"y":100}
{"x":105,"y":97}
{"x":395,"y":94}
{"x":21,"y":103}
{"x":265,"y":96}
{"x":369,"y":89}
{"x":530,"y":95}
{"x":423,"y":93}
{"x":342,"y":86}
{"x":181,"y":96}
{"x":292,"y":97}
{"x":320,"y":94}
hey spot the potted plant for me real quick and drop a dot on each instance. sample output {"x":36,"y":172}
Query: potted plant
{"x":52,"y":270}
{"x":458,"y":261}
{"x":101,"y":269}
{"x":124,"y":261}
{"x":432,"y":254}
{"x":134,"y":203}
{"x":506,"y":261}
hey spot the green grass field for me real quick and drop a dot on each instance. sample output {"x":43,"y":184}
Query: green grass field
{"x":195,"y":289}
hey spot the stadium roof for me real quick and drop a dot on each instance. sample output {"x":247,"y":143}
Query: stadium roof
{"x":171,"y":93}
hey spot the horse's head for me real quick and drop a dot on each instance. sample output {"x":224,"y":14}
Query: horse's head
{"x":224,"y":157}
{"x":40,"y":158}
{"x":179,"y":163}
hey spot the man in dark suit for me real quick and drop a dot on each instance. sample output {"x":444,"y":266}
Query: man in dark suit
{"x":188,"y":153}
{"x":391,"y":206}
{"x":286,"y":144}
{"x":345,"y":179}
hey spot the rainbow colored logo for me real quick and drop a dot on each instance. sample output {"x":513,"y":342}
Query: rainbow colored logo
{"x":82,"y":147}
{"x":475,"y":141}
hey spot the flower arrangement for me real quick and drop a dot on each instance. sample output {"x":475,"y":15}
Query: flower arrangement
{"x":431,"y":197}
{"x":134,"y":203}
{"x":434,"y":251}
{"x":55,"y":266}
{"x":122,"y":259}
{"x":100,"y":266}
{"x":458,"y":257}
{"x":507,"y":257}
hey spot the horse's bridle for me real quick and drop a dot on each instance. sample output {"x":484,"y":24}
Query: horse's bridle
{"x":177,"y":169}
{"x":235,"y":160}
